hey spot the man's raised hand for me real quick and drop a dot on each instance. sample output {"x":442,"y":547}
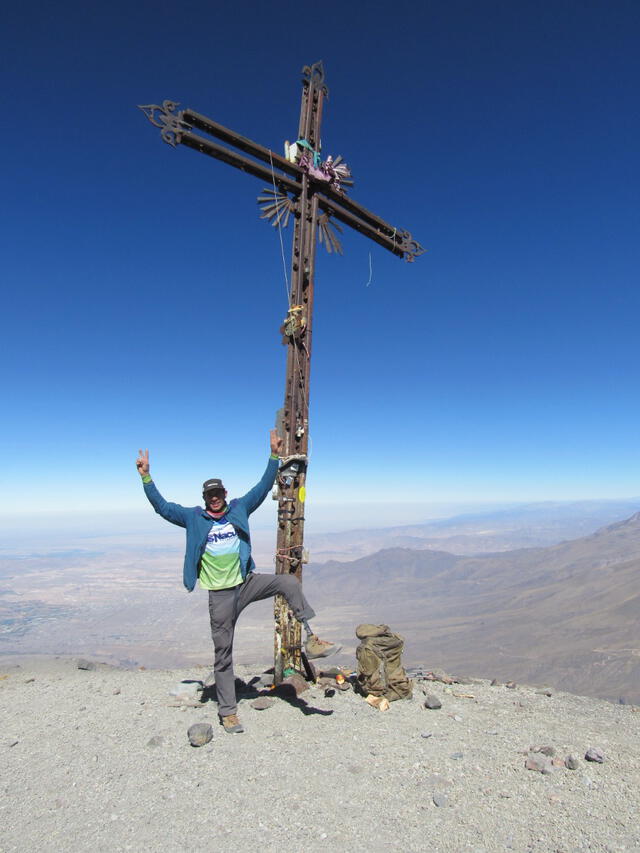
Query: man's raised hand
{"x":276,"y":442}
{"x":142,"y":463}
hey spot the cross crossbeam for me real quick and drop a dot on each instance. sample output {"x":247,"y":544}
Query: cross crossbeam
{"x":177,"y":129}
{"x":310,"y":191}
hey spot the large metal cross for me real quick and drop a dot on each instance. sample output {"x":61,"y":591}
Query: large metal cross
{"x":303,"y":186}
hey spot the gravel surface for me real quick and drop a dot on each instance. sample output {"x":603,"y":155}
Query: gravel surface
{"x":100,"y":760}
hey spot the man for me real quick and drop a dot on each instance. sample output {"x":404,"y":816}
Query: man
{"x":218,"y":553}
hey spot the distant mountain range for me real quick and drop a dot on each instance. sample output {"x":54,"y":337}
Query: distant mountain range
{"x":566,"y":615}
{"x":521,"y":526}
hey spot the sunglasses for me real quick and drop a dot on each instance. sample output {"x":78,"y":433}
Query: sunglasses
{"x":215,"y":493}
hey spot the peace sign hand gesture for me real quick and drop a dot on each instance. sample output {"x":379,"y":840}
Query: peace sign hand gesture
{"x":142,"y":463}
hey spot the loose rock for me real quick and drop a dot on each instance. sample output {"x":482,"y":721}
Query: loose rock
{"x":539,"y":762}
{"x":440,"y":675}
{"x":594,"y":753}
{"x":571,"y":762}
{"x":199,"y":734}
{"x":156,"y":740}
{"x":262,"y":703}
{"x":88,"y":665}
{"x":292,"y":684}
{"x":545,"y":750}
{"x":440,"y":800}
{"x":432,"y":702}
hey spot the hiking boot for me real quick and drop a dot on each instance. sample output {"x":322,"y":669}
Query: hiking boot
{"x":316,"y":648}
{"x":231,"y":724}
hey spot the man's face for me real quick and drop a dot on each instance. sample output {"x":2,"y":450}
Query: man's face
{"x":215,"y":500}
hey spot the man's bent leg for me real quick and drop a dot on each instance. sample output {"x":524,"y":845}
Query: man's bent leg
{"x":223,"y":615}
{"x":257,"y":587}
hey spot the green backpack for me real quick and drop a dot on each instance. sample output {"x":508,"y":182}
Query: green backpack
{"x":380,"y":670}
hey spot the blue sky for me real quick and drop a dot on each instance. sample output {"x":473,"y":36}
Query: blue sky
{"x":143,"y":294}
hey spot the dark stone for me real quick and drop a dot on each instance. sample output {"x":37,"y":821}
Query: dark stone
{"x":594,"y":753}
{"x":88,"y":665}
{"x":571,"y":762}
{"x":494,"y":682}
{"x":432,"y":702}
{"x":199,"y":734}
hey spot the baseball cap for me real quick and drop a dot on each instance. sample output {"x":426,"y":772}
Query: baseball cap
{"x":212,"y":485}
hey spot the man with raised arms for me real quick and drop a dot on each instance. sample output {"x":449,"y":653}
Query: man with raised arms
{"x":218,"y":554}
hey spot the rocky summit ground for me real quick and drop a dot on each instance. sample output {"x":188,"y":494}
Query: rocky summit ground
{"x":100,"y":760}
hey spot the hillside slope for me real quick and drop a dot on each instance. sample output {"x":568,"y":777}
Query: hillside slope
{"x":567,"y":614}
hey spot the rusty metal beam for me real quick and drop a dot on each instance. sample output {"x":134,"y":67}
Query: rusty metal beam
{"x":390,"y":242}
{"x":239,"y":161}
{"x":385,"y":235}
{"x":219,"y":131}
{"x":295,"y":417}
{"x":176,"y":128}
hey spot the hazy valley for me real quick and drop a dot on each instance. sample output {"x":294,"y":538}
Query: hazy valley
{"x":565,"y":614}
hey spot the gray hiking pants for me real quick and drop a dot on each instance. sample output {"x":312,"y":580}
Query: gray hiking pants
{"x":225,"y":605}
